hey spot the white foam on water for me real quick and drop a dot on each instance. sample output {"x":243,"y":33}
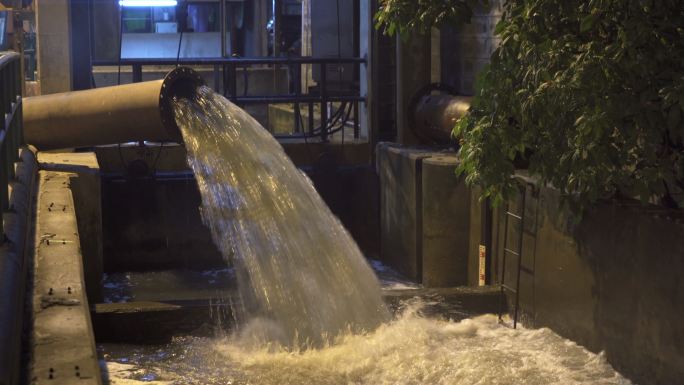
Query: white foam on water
{"x":417,"y":350}
{"x":409,"y":350}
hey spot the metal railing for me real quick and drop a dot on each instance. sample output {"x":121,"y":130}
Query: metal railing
{"x":12,"y":259}
{"x":11,"y":135}
{"x":326,"y":94}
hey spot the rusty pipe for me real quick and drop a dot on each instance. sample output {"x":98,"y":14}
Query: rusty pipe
{"x":435,"y":115}
{"x":108,"y":115}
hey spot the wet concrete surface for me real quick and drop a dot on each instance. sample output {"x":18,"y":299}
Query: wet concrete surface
{"x":153,"y":307}
{"x":168,"y":285}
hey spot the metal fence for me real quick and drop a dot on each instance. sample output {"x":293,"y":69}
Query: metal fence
{"x":11,"y":136}
{"x":12,"y":261}
{"x":340,"y":95}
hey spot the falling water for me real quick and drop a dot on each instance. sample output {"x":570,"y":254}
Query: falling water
{"x":302,"y":278}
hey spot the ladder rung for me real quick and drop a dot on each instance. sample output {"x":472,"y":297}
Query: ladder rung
{"x":512,"y":290}
{"x":516,"y":216}
{"x":512,"y":252}
{"x":527,"y":270}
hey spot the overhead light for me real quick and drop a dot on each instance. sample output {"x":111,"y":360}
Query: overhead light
{"x":148,"y":3}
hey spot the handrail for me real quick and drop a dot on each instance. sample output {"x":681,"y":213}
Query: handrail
{"x":241,"y":61}
{"x":329,"y":123}
{"x":13,"y":262}
{"x":8,"y":57}
{"x":12,"y":132}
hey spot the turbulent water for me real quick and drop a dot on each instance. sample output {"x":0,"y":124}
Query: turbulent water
{"x":312,"y":312}
{"x":411,"y":350}
{"x":301,"y":276}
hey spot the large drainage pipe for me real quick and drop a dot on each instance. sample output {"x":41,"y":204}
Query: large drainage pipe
{"x":434,"y":110}
{"x":108,"y":115}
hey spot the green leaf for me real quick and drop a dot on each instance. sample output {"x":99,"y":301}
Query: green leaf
{"x":588,"y":22}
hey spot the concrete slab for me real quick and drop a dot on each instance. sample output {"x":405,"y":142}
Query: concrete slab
{"x":445,"y":209}
{"x":424,"y":215}
{"x":85,"y":183}
{"x":169,"y":285}
{"x":149,"y":322}
{"x":62,"y":340}
{"x":400,"y":196}
{"x":152,"y":322}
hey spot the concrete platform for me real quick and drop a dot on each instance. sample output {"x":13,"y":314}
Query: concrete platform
{"x":85,"y":184}
{"x":168,"y":285}
{"x":152,"y":322}
{"x":62,"y":341}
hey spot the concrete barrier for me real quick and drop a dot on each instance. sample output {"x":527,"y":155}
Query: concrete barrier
{"x":14,"y":265}
{"x":85,"y":184}
{"x":445,"y":210}
{"x":400,"y":215}
{"x":610,"y":280}
{"x":424,"y":215}
{"x":62,"y":344}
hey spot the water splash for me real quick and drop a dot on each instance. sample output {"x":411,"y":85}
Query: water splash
{"x":411,"y":350}
{"x":301,"y":276}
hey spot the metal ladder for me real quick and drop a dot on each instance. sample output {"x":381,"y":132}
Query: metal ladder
{"x":516,"y":253}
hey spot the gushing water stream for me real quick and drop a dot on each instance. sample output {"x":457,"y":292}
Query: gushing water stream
{"x":312,"y":305}
{"x":302,"y":278}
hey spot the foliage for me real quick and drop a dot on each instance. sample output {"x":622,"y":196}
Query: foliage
{"x":407,"y":16}
{"x":590,"y":94}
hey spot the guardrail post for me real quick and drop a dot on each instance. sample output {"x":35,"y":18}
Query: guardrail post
{"x":232,"y":82}
{"x":311,"y":119}
{"x":324,"y":102}
{"x":136,"y":73}
{"x":217,"y":78}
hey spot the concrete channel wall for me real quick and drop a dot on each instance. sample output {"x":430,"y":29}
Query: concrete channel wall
{"x":424,"y":215}
{"x":610,"y":280}
{"x":45,"y":331}
{"x":66,"y":258}
{"x":14,"y":266}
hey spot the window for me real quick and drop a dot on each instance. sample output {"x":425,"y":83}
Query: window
{"x":137,"y":19}
{"x":190,"y":16}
